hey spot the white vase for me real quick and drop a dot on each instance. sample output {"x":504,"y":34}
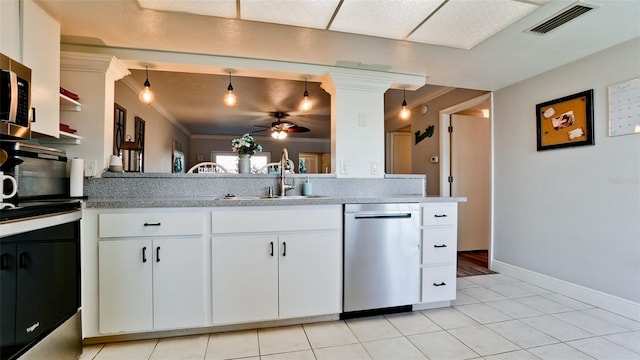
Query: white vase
{"x":244,"y":164}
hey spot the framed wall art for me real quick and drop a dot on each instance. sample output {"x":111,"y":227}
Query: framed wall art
{"x":119,"y":127}
{"x":565,"y":122}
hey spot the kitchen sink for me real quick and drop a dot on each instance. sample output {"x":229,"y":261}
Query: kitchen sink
{"x":273,"y":197}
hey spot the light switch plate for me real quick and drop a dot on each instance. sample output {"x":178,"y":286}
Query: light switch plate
{"x":374,"y":168}
{"x":344,"y":167}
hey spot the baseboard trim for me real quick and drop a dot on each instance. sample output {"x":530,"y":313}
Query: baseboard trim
{"x":618,"y":305}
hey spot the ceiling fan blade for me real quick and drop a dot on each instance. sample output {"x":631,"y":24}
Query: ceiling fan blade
{"x":298,"y":129}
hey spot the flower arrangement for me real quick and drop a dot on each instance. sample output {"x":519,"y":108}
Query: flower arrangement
{"x":245,"y":145}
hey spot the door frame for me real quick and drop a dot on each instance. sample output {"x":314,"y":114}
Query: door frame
{"x":445,"y":155}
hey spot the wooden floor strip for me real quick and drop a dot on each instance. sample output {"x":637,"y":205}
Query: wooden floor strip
{"x":472,"y":263}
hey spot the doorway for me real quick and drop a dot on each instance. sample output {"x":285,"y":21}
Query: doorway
{"x":465,"y":170}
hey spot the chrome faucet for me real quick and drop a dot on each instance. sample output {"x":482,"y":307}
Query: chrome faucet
{"x":284,"y":165}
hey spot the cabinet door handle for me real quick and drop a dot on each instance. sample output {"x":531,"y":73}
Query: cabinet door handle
{"x":152,"y":224}
{"x":158,"y":254}
{"x":440,"y":284}
{"x":440,"y":216}
{"x":284,"y":248}
{"x":271,"y":243}
{"x":144,"y":254}
{"x":23,"y":260}
{"x":440,"y":246}
{"x":4,"y":261}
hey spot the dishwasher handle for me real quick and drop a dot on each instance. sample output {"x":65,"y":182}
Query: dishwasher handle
{"x":383,"y":216}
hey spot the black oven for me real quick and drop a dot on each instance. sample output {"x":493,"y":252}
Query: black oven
{"x":39,"y":257}
{"x":39,"y":280}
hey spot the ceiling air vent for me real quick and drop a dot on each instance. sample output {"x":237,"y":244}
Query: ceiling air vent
{"x":561,"y":18}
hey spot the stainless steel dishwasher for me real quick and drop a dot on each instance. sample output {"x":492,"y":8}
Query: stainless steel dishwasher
{"x":381,"y":256}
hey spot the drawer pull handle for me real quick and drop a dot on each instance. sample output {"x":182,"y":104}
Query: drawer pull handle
{"x":440,"y":216}
{"x":284,"y":248}
{"x":271,"y":243}
{"x":152,"y":224}
{"x":144,"y":254}
{"x":440,"y":246}
{"x":23,"y":259}
{"x":440,"y":284}
{"x":4,"y":262}
{"x":158,"y":254}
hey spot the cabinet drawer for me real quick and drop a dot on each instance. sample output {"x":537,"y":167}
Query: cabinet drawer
{"x":438,"y":283}
{"x":439,"y":214}
{"x":439,"y":245}
{"x":276,"y":219}
{"x":151,"y":224}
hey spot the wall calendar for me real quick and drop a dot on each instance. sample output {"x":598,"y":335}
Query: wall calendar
{"x":624,"y":108}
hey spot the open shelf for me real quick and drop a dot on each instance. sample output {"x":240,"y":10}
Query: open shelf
{"x":68,"y":104}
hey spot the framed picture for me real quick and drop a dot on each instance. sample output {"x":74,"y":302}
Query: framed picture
{"x":564,"y":122}
{"x":119,"y":127}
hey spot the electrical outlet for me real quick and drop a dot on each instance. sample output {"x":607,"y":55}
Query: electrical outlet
{"x":90,"y":168}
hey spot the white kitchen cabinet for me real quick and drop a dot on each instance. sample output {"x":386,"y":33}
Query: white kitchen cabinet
{"x":10,"y":29}
{"x":150,"y":284}
{"x":178,"y":292}
{"x":276,"y":269}
{"x":439,"y":251}
{"x":126,"y":302}
{"x":41,"y":53}
{"x":245,"y":278}
{"x":309,"y":274}
{"x":151,"y":270}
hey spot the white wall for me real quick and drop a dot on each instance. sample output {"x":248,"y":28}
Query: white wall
{"x":573,"y":213}
{"x":159,"y":132}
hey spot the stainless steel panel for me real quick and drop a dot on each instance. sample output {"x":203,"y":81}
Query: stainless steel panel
{"x":382,"y":256}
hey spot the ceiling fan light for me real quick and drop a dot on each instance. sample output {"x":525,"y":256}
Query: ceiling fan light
{"x":146,"y":96}
{"x":279,"y":134}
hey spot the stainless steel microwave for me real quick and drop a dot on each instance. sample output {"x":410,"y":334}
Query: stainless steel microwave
{"x":15,"y":99}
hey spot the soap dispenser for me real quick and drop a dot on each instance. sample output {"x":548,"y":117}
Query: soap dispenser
{"x":306,"y":188}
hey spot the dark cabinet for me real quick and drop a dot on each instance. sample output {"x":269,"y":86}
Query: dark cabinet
{"x":39,"y":284}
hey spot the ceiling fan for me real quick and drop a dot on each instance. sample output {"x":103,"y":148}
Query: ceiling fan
{"x":279,"y":129}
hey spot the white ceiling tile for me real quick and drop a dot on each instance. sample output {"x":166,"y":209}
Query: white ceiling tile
{"x":391,"y":19}
{"x":221,"y":8}
{"x":466,"y":23}
{"x":306,"y":13}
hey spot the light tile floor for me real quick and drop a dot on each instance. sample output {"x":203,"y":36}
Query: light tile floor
{"x":495,"y":317}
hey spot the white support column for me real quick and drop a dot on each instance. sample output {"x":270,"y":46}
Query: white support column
{"x":357,"y":122}
{"x":93,"y":78}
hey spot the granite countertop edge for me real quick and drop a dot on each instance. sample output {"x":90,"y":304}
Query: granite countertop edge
{"x":97,"y":203}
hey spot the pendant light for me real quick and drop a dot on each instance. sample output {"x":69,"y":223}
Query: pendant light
{"x":230,"y":99}
{"x":404,"y":113}
{"x":306,"y":103}
{"x":146,"y":95}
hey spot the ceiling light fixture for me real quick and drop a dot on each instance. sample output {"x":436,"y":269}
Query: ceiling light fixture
{"x":230,"y":99}
{"x":404,"y":113}
{"x":146,"y":95}
{"x":279,"y":134}
{"x":306,"y":103}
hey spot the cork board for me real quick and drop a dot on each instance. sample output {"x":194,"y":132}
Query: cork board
{"x":565,"y":122}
